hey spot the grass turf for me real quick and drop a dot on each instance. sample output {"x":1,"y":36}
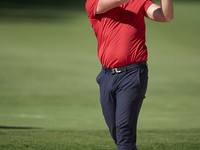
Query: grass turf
{"x":96,"y":139}
{"x":49,"y":98}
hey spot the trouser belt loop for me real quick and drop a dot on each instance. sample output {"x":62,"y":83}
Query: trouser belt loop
{"x":126,"y":69}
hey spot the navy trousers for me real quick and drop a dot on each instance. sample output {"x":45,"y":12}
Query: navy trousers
{"x":121,"y":96}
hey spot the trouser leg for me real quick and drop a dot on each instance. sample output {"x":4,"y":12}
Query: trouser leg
{"x":126,"y":121}
{"x":108,"y":101}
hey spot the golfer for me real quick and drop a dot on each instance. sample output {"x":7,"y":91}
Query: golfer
{"x":119,"y":27}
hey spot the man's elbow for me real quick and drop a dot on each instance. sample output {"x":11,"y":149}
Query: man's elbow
{"x":169,"y":18}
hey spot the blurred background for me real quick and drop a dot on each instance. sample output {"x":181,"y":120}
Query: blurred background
{"x":48,"y":66}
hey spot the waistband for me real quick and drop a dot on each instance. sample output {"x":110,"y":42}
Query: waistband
{"x":124,"y":68}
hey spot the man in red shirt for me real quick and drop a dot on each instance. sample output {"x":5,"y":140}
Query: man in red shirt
{"x":120,"y":31}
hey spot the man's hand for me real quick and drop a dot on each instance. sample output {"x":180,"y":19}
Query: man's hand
{"x":105,"y":5}
{"x":163,"y":13}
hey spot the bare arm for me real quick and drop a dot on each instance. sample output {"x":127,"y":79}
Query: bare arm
{"x":105,"y":5}
{"x":163,"y":13}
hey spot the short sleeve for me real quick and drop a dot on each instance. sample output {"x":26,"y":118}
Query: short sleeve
{"x":147,"y":4}
{"x":90,"y":7}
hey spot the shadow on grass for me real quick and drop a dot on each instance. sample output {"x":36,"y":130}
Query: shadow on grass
{"x":40,"y":12}
{"x":9,"y":127}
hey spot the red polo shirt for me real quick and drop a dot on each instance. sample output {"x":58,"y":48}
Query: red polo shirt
{"x":120,"y":32}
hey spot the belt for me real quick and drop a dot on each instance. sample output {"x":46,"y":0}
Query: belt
{"x":124,"y":68}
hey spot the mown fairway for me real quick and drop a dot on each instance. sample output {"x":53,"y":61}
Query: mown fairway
{"x":49,"y":98}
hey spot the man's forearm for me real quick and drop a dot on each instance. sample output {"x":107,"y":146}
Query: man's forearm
{"x":105,"y":5}
{"x":167,"y":10}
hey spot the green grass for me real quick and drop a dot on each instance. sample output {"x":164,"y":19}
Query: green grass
{"x":96,"y":139}
{"x":49,"y":98}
